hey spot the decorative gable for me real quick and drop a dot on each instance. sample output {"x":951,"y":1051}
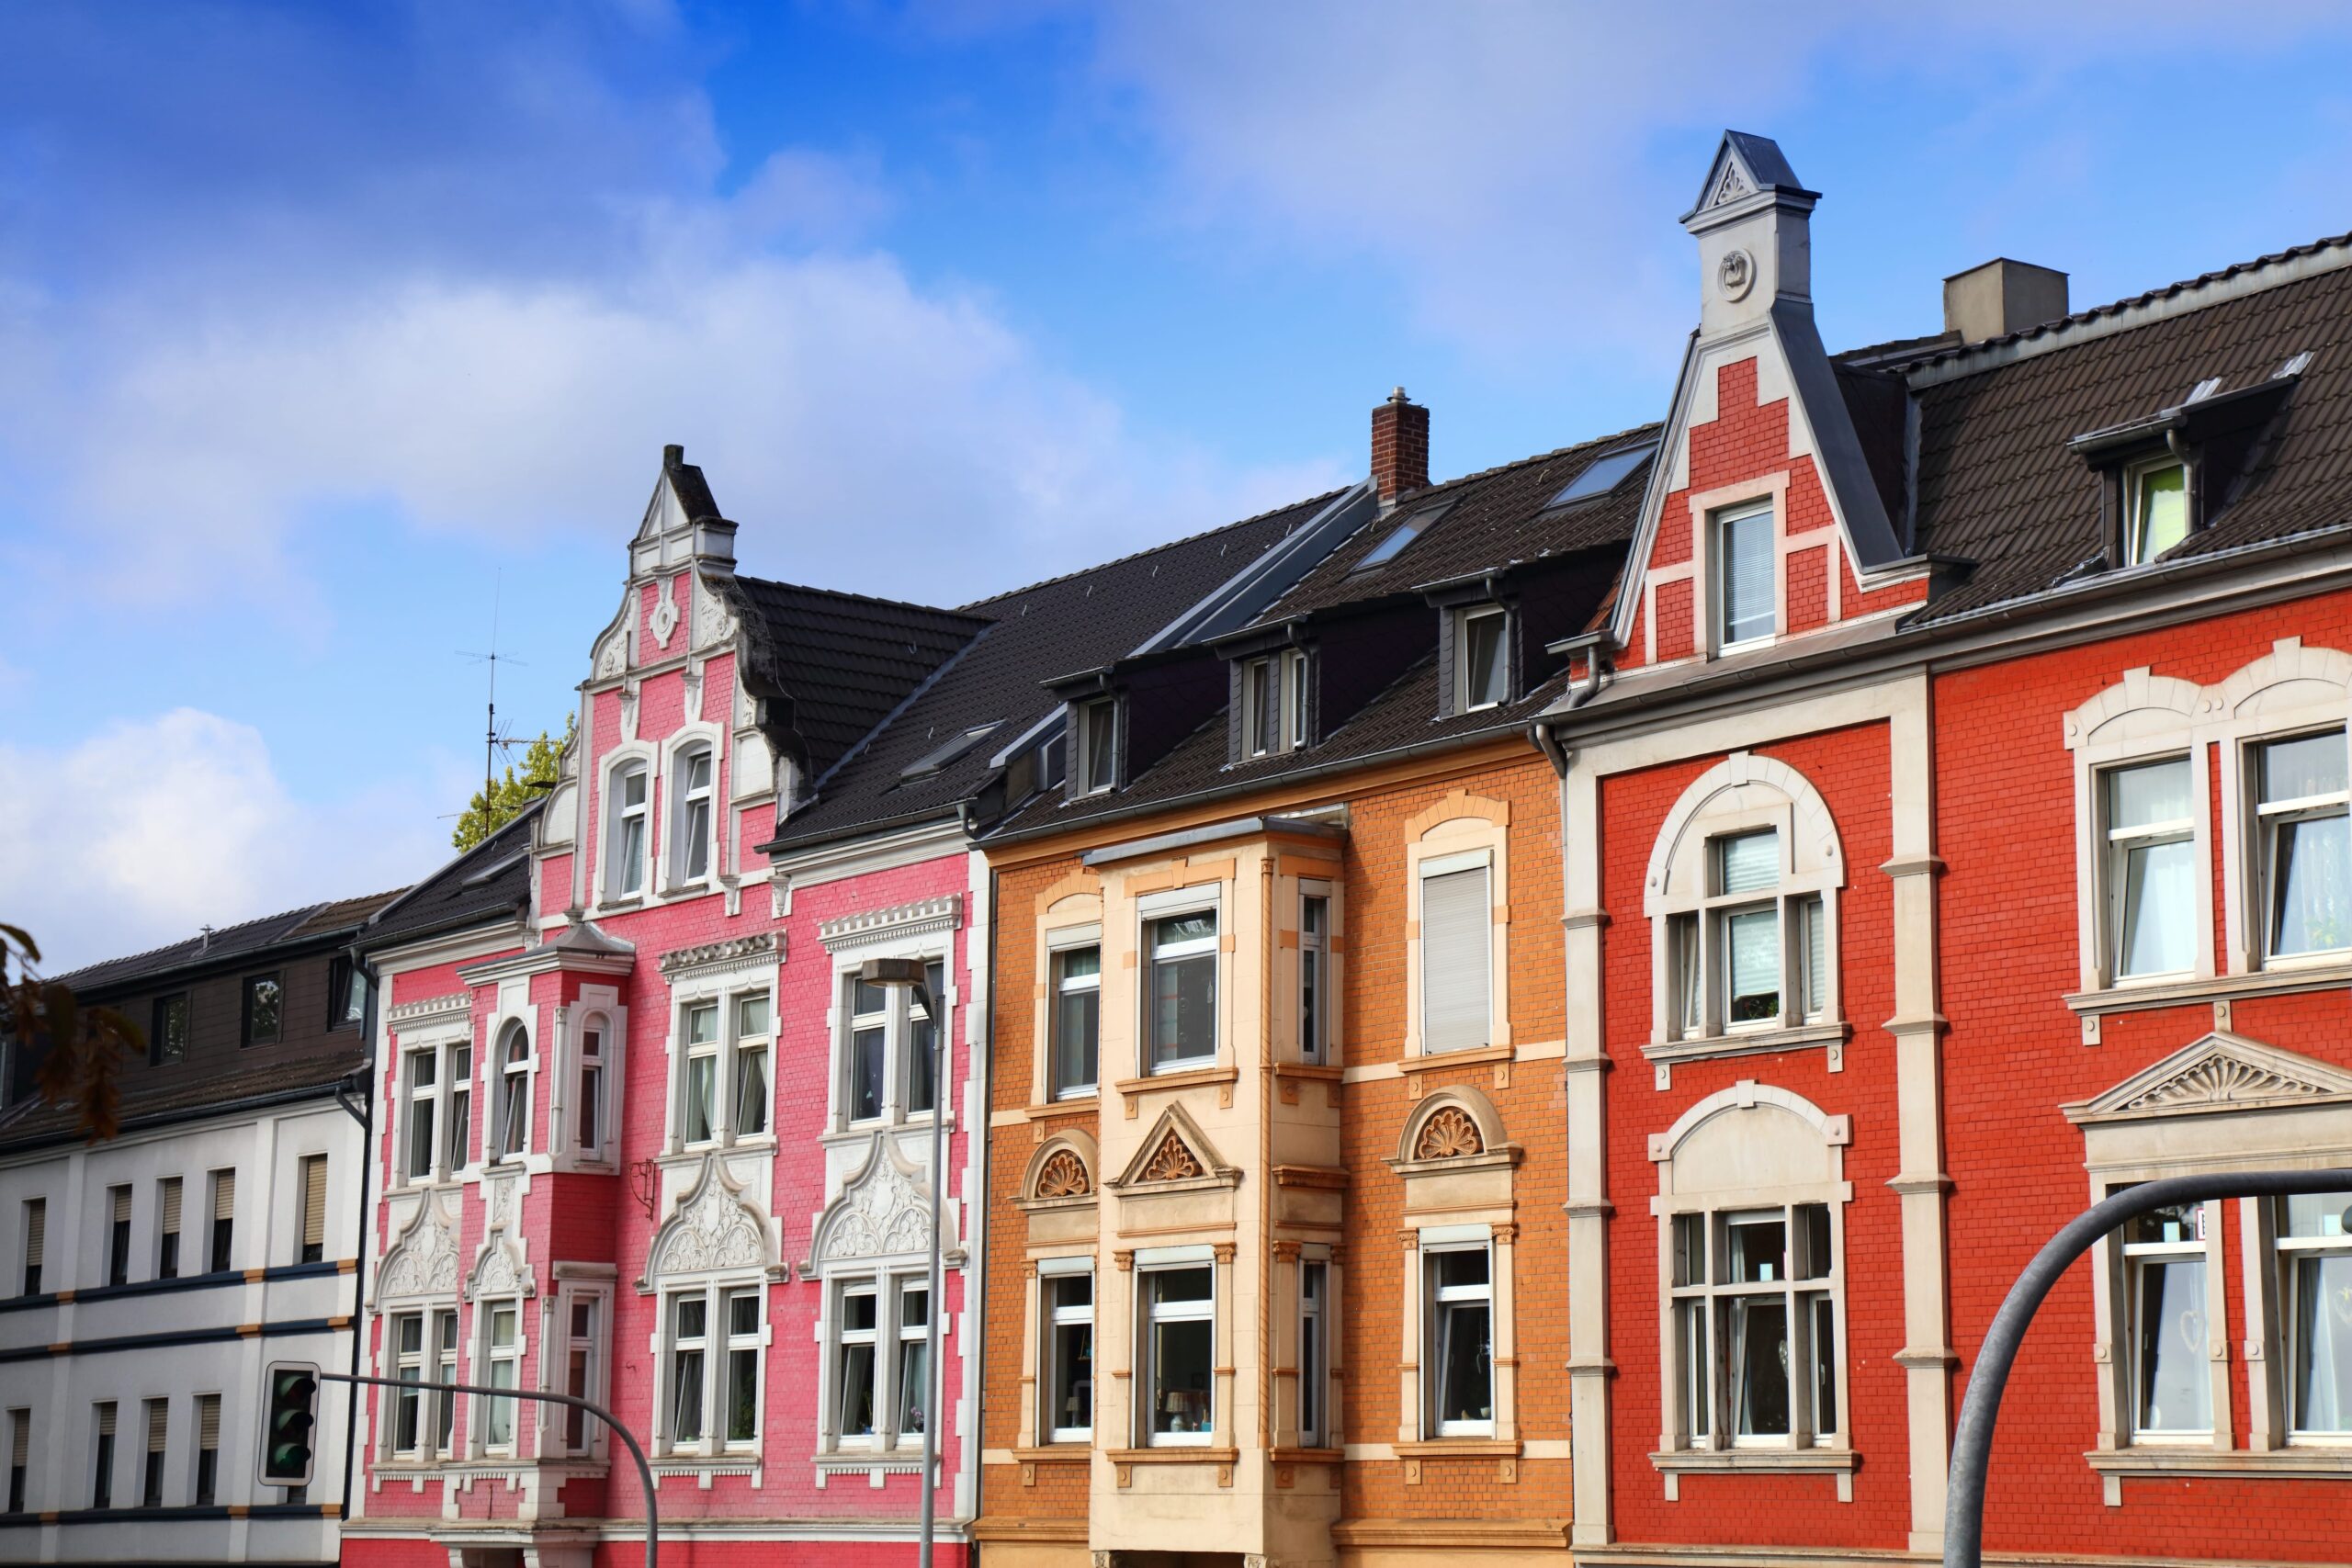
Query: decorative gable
{"x":2219,"y":1072}
{"x":716,"y":1229}
{"x":883,"y":1211}
{"x":423,"y":1260}
{"x":1175,"y":1151}
{"x":500,"y":1270}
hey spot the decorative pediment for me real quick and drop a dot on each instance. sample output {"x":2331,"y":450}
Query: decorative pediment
{"x":715,"y":1228}
{"x":924,"y":916}
{"x":500,"y":1270}
{"x":1063,"y":1176}
{"x":739,"y":957}
{"x":883,"y":1211}
{"x":423,"y":1260}
{"x":1458,"y":1122}
{"x":2221,"y":1072}
{"x":1175,"y":1150}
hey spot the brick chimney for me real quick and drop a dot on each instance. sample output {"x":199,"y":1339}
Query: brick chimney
{"x":2002,"y":297}
{"x":1400,"y":446}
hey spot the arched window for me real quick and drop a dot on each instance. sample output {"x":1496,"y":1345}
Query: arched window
{"x":690,"y":833}
{"x":513,"y":1125}
{"x":624,"y":840}
{"x":1741,"y":895}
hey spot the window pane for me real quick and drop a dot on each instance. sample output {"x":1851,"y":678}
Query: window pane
{"x":743,"y":1395}
{"x":1182,"y":1355}
{"x":1692,"y":1365}
{"x":1689,"y":1017}
{"x":1465,"y":1364}
{"x":261,"y":1011}
{"x":702,"y":1023}
{"x":1755,"y":1251}
{"x":686,"y":1402}
{"x":1760,"y":1360}
{"x":1457,"y":985}
{"x":1073,"y":1396}
{"x":1172,"y":1286}
{"x":1752,"y":954}
{"x":702,"y":1086}
{"x":1690,"y":1250}
{"x":1461,"y":1270}
{"x":1825,"y":1364}
{"x":857,"y":1391}
{"x":2325,"y":1216}
{"x":751,"y":1016}
{"x":2311,"y":870}
{"x":1483,"y":670}
{"x":1262,"y":705}
{"x":2161,"y":512}
{"x":1077,"y":1018}
{"x":2322,"y":1371}
{"x":1813,"y":1231}
{"x":2174,"y":1391}
{"x":914,"y":1390}
{"x":750,"y":1091}
{"x":1101,"y":724}
{"x":628,"y":871}
{"x":1747,"y":581}
{"x":1748,"y":862}
{"x":2149,"y":794}
{"x":1813,"y":928}
{"x":1310,"y":1004}
{"x":923,"y":1044}
{"x":2299,"y":769}
{"x":865,"y":1066}
{"x":2159,"y":907}
{"x":1183,"y":1002}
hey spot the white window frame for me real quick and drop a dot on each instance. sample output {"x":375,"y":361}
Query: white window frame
{"x":512,"y":1082}
{"x":1053,"y":1318}
{"x":1425,"y":871}
{"x":684,"y":841}
{"x":725,"y":1052}
{"x":1061,"y":985}
{"x":719,"y":1344}
{"x":743,"y":1047}
{"x":404,"y":1360}
{"x":1152,"y":910}
{"x":453,"y":1060}
{"x":1315,"y":993}
{"x":691,"y":1052}
{"x":594,"y":1348}
{"x":2265,"y":819}
{"x":2116,"y":846}
{"x":496,"y":1357}
{"x":1088,"y":717}
{"x":616,"y":885}
{"x":2288,"y":1253}
{"x":1436,"y":1299}
{"x":908,"y":1338}
{"x":888,"y":1287}
{"x":1714,"y":1301}
{"x":1316,"y":1319}
{"x":1718,"y":595}
{"x":898,"y":1019}
{"x":592,"y":1072}
{"x":1465,"y":699}
{"x":1273,"y":704}
{"x":2133,"y":1259}
{"x":2135,"y":476}
{"x":1150,"y":1312}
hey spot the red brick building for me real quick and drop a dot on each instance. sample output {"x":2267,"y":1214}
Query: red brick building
{"x":1953,"y":834}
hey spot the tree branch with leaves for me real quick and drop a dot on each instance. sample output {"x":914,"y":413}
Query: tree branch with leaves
{"x":492,"y":808}
{"x":79,"y":1050}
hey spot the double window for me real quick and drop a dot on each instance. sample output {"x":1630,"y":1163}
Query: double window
{"x":882,"y":1386}
{"x":1178,"y":1356}
{"x":690,"y":828}
{"x":626,"y":831}
{"x":1180,"y":999}
{"x":715,"y":1335}
{"x":1754,"y":1303}
{"x":1755,"y":955}
{"x":1077,"y":1020}
{"x":1273,"y":704}
{"x":887,"y":1066}
{"x":1481,"y":658}
{"x":2155,"y":509}
{"x":424,"y":1350}
{"x":724,"y":1089}
{"x":437,"y":1086}
{"x":167,"y":1040}
{"x":1457,"y":952}
{"x":264,"y":1001}
{"x":1459,"y":1379}
{"x":1068,"y":1375}
{"x":1745,"y":581}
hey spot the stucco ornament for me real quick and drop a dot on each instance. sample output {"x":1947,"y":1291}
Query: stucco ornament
{"x":499,"y":1271}
{"x":612,"y":656}
{"x":885,"y":1210}
{"x":1449,"y":1135}
{"x":664,"y":619}
{"x":424,"y":1262}
{"x":713,"y":1229}
{"x":1172,"y":1161}
{"x":714,"y":623}
{"x":1731,"y":188}
{"x":1737,"y":273}
{"x":1064,"y":1175}
{"x":2222,"y":1080}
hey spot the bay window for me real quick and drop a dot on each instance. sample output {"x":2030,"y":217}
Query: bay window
{"x":2304,"y":855}
{"x":2164,"y":1281}
{"x":1314,"y":974}
{"x":1069,"y":1373}
{"x":502,"y":1356}
{"x":1459,"y":1355}
{"x":1077,"y":1020}
{"x":1182,"y":994}
{"x":1744,"y":575}
{"x":513,"y":1126}
{"x":2150,"y":869}
{"x":1180,"y":1356}
{"x":2314,"y":1248}
{"x":590,"y":1113}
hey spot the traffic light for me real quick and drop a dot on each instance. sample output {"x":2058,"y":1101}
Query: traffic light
{"x":290,"y":1411}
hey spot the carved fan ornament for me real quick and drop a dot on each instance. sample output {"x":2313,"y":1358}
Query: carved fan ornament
{"x":1449,"y":1135}
{"x":1172,"y":1161}
{"x":1064,"y":1177}
{"x":2222,"y":1080}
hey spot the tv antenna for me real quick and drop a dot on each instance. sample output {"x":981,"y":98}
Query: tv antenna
{"x":493,"y":739}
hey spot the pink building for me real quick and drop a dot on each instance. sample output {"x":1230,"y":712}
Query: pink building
{"x":642,"y":1137}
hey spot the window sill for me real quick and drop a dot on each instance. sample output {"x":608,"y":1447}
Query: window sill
{"x":905,"y":1461}
{"x":1460,"y":1447}
{"x":1748,"y":1043}
{"x":1076,"y":1105}
{"x":1175,"y":1454}
{"x":1471,"y":1056}
{"x":1076,"y":1451}
{"x":1676,"y":1463}
{"x":2153,"y":1462}
{"x":1191,"y":1077}
{"x":2285,"y":979}
{"x":859,"y":1131}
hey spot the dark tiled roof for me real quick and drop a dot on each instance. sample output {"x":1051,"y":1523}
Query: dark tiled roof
{"x":146,"y":1102}
{"x":845,"y":660}
{"x":1064,"y":624}
{"x":486,"y":883}
{"x":310,"y":921}
{"x":1997,"y":485}
{"x":1495,"y":518}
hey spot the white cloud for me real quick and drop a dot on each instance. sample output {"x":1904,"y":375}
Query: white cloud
{"x":152,"y":827}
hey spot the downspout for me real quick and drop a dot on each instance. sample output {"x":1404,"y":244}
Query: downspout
{"x":1540,"y":731}
{"x":367,"y":1155}
{"x":983,"y":1040}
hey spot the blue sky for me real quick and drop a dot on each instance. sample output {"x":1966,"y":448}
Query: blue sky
{"x":322,"y":325}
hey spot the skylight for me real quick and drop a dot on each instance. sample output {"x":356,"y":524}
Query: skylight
{"x":1404,"y":533}
{"x":1602,"y":475}
{"x":953,"y":747}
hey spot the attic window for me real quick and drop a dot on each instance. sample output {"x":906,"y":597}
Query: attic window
{"x":1095,"y":754}
{"x":1273,"y":704}
{"x":1602,"y":475}
{"x":949,"y":750}
{"x":1402,"y":535}
{"x":2155,"y":509}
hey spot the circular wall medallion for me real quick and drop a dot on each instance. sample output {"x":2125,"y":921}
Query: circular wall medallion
{"x":1736,"y":272}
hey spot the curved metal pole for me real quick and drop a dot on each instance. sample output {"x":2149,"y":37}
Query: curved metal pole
{"x":644,"y":1470}
{"x":1972,"y":1444}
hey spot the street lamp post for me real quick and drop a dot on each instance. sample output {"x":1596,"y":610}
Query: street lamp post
{"x":912,"y":975}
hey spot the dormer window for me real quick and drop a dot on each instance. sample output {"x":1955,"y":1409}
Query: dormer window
{"x":1097,"y":723}
{"x":1744,"y":574}
{"x":1481,"y":665}
{"x":2155,"y":509}
{"x":1273,"y":704}
{"x":625,"y":865}
{"x":690,"y":832}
